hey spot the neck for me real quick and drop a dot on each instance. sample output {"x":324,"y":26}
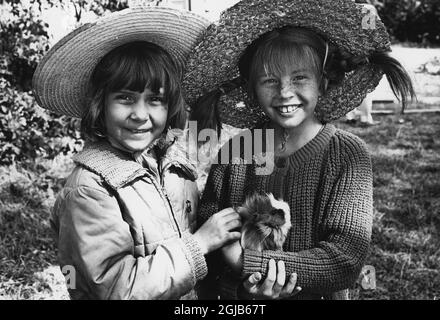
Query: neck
{"x":296,"y":137}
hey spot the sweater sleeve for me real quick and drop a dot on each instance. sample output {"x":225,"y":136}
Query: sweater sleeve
{"x":212,"y":198}
{"x":94,"y":237}
{"x":345,"y":230}
{"x":211,"y":203}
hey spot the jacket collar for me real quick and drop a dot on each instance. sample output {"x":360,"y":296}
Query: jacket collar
{"x":119,"y":168}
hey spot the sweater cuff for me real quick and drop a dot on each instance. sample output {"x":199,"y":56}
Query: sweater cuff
{"x":252,"y":262}
{"x":198,"y":261}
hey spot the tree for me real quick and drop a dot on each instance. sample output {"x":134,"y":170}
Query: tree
{"x":26,"y":131}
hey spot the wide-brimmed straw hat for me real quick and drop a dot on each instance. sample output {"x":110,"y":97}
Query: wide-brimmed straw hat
{"x":61,"y":80}
{"x":342,"y":23}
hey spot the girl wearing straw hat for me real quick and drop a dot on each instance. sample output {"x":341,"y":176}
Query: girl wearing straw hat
{"x":291,"y":67}
{"x":125,"y":220}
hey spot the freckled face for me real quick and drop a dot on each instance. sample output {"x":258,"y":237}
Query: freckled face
{"x":288,"y":99}
{"x":135,"y":119}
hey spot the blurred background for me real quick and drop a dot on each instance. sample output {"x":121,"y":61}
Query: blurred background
{"x":36,"y":148}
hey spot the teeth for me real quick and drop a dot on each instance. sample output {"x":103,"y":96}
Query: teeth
{"x":288,"y":109}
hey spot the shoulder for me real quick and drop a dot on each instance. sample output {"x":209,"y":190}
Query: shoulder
{"x":82,"y":178}
{"x":349,"y":145}
{"x":347,"y":152}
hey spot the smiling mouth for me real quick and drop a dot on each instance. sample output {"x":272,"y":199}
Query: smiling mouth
{"x":286,"y":109}
{"x":137,"y":131}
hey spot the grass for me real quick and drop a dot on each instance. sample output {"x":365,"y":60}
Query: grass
{"x":27,"y":249}
{"x":405,"y":249}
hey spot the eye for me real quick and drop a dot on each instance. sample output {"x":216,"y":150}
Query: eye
{"x":124,"y":98}
{"x":269,"y":81}
{"x":300,"y":77}
{"x":157,"y":100}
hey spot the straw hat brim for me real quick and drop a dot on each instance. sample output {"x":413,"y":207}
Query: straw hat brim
{"x":342,"y":22}
{"x":61,"y":80}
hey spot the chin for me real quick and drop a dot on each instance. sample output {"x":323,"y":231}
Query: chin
{"x":136,"y":147}
{"x":266,"y":222}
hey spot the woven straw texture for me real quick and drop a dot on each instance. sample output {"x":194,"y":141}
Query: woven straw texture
{"x":62,"y":78}
{"x":341,"y":22}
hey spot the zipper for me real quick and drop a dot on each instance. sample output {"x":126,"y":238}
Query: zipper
{"x":164,"y":192}
{"x":172,"y":212}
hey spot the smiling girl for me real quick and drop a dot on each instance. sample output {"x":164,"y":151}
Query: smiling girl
{"x":125,"y":219}
{"x":297,"y":65}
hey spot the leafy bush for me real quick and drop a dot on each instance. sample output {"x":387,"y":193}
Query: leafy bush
{"x":412,"y":20}
{"x":27,"y":131}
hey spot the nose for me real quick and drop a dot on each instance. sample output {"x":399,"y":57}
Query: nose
{"x":286,"y":89}
{"x":140,"y":111}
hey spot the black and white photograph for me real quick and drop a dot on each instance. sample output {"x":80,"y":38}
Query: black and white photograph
{"x":242,"y":152}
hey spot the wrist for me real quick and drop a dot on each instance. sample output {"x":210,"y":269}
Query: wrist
{"x":201,"y":243}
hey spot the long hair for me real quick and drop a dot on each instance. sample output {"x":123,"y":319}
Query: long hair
{"x":132,"y":66}
{"x":399,"y":80}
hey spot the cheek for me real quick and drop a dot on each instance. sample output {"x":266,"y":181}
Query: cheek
{"x":112,"y":114}
{"x":263,"y":96}
{"x":159,"y":117}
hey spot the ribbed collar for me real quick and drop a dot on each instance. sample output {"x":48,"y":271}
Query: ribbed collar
{"x":315,"y":146}
{"x":119,"y":168}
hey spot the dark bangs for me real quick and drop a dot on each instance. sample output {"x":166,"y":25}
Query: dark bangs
{"x":133,"y":67}
{"x":137,"y":65}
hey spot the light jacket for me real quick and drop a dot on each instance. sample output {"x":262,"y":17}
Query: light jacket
{"x":126,"y":228}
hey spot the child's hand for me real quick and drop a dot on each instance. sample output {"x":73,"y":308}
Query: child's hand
{"x":218,"y":230}
{"x":274,"y":286}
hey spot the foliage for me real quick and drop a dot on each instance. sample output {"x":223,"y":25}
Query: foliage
{"x":411,"y":20}
{"x":26,"y":131}
{"x":27,"y":246}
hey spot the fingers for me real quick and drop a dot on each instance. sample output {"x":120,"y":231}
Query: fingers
{"x":233,"y":224}
{"x":268,"y":284}
{"x":227,"y":217}
{"x":271,"y":272}
{"x":234,"y":235}
{"x":281,"y":278}
{"x":228,"y":212}
{"x":276,"y":285}
{"x":290,"y":288}
{"x":250,"y":283}
{"x":276,"y":277}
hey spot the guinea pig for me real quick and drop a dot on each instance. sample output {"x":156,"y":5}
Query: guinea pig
{"x":266,"y":222}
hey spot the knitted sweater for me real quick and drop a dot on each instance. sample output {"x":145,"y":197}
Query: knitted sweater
{"x":328,"y":186}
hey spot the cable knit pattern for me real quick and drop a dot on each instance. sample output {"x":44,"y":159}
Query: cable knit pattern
{"x":328,"y":185}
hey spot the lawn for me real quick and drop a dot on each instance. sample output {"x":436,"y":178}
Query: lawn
{"x":405,"y":251}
